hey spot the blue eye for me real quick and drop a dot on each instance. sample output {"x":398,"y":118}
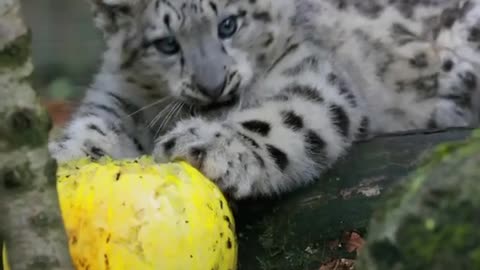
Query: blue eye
{"x":227,"y":27}
{"x":167,"y":45}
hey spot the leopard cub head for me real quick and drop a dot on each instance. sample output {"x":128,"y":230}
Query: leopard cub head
{"x":204,"y":52}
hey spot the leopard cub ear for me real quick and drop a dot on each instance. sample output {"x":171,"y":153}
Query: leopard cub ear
{"x":112,"y":15}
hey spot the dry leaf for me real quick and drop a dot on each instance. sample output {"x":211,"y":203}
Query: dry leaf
{"x":353,"y":242}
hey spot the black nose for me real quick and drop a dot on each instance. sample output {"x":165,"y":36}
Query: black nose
{"x":213,"y":91}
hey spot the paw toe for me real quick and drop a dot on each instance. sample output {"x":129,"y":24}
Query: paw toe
{"x":469,"y":79}
{"x":197,"y":156}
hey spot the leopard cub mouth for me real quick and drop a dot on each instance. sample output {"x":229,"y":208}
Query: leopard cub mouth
{"x":224,"y":103}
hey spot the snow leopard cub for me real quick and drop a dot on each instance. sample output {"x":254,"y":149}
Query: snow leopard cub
{"x":263,"y":95}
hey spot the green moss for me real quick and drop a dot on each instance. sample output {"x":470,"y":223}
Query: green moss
{"x":17,"y":178}
{"x":16,"y":53}
{"x":50,"y":171}
{"x":430,"y":221}
{"x":475,"y":257}
{"x":25,"y":127}
{"x":387,"y":253}
{"x":423,"y":246}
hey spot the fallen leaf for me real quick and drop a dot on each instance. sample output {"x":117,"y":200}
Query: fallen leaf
{"x":353,"y":242}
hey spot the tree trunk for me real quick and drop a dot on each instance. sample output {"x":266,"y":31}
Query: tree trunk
{"x":301,"y":230}
{"x":31,"y":223}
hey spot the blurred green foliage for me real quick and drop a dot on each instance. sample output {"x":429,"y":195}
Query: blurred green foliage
{"x":66,"y":46}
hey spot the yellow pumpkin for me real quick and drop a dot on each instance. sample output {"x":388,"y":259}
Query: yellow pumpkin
{"x":136,"y":214}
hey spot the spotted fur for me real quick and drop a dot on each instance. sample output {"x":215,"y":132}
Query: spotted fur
{"x":263,"y":96}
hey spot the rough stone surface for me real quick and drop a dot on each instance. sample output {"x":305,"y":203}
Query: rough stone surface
{"x":296,"y":231}
{"x":431,"y":220}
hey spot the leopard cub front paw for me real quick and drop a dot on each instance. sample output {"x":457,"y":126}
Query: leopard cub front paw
{"x":92,"y":138}
{"x":213,"y":149}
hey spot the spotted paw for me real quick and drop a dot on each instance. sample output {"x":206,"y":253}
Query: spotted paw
{"x":214,"y":149}
{"x":92,"y":137}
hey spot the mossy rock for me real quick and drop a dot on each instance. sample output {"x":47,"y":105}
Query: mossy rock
{"x":431,"y":220}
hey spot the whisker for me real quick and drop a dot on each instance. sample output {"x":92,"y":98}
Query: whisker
{"x":176,"y":112}
{"x":168,"y":117}
{"x":160,"y":114}
{"x":159,"y":128}
{"x":173,"y":114}
{"x":155,"y":120}
{"x":150,"y":105}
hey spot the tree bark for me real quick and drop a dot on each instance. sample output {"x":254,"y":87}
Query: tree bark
{"x":301,"y":230}
{"x":31,"y":222}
